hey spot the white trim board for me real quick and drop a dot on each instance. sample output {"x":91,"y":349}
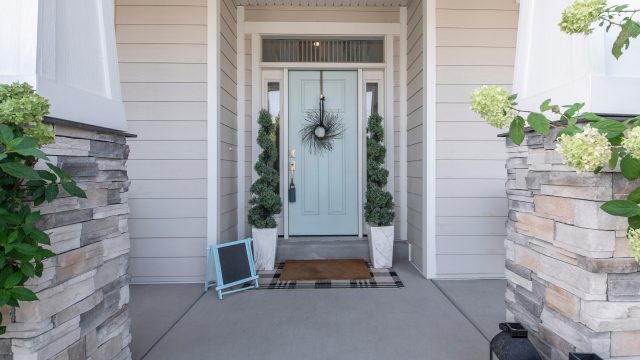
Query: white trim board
{"x":213,"y":102}
{"x":240,"y":59}
{"x":429,"y":137}
{"x":322,"y":28}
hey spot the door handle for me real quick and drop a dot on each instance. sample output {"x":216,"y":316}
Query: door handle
{"x":292,"y":172}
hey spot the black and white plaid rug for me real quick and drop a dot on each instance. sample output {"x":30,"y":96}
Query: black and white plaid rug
{"x":380,"y":279}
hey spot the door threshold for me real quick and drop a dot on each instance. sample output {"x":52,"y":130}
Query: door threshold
{"x":326,"y":238}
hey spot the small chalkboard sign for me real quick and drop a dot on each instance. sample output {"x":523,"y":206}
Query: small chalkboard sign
{"x":234,"y":266}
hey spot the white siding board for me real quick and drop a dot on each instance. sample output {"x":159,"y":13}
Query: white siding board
{"x":475,"y":46}
{"x":163,"y":73}
{"x":322,"y":14}
{"x":161,"y":34}
{"x":165,"y":15}
{"x":165,"y":111}
{"x":161,"y":150}
{"x":168,"y":208}
{"x":169,"y":130}
{"x":168,"y":189}
{"x":162,"y":53}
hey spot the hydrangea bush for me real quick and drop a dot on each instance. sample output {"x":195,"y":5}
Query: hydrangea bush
{"x":24,"y":247}
{"x":583,"y":15}
{"x":601,"y":142}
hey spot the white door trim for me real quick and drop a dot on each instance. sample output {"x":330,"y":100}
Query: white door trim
{"x":321,"y":28}
{"x":240,"y":60}
{"x":429,"y":137}
{"x":213,"y":85}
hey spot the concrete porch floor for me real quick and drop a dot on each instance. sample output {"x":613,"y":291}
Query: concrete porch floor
{"x":450,"y":320}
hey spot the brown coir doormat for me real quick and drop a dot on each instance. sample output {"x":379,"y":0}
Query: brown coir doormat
{"x":301,"y":270}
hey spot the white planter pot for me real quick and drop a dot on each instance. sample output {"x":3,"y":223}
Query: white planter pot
{"x":264,"y":248}
{"x":381,"y":246}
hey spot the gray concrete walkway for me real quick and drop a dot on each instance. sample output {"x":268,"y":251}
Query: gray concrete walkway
{"x":416,"y":322}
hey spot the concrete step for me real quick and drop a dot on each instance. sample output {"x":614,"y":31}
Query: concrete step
{"x":315,"y":248}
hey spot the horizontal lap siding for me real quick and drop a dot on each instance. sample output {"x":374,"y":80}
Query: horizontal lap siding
{"x":475,"y":46}
{"x":228,"y":124}
{"x":163,"y":65}
{"x":414,"y":130}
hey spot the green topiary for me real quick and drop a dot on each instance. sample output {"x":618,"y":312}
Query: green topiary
{"x":378,"y":210}
{"x":265,"y":201}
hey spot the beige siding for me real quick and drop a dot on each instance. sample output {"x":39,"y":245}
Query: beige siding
{"x":323,"y":14}
{"x":162,"y":54}
{"x":414,"y":130}
{"x":228,"y":124}
{"x":475,"y":46}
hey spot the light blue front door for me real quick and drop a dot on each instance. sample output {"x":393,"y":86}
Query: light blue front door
{"x":326,"y":183}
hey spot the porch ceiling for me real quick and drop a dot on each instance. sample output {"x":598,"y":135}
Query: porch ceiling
{"x":321,"y":2}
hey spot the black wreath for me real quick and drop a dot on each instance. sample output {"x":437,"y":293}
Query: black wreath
{"x":321,"y":128}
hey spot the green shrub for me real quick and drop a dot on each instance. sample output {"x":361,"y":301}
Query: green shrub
{"x":23,"y":247}
{"x":265,"y":201}
{"x":379,"y":206}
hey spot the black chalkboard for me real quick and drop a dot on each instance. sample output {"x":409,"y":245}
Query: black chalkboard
{"x":234,"y":266}
{"x":234,"y":263}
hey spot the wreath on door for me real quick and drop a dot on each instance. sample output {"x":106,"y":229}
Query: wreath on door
{"x":322,"y":127}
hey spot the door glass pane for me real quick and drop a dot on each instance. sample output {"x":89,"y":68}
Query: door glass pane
{"x":323,"y":50}
{"x":372,"y":98}
{"x":273,"y":106}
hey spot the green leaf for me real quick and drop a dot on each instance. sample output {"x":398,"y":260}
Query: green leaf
{"x":39,"y":236}
{"x":73,"y":189}
{"x":47,"y":175}
{"x":51,"y":192}
{"x":592,"y":117}
{"x":613,"y":162}
{"x":23,"y":294}
{"x":13,"y":280}
{"x":630,"y":167}
{"x":512,"y":97}
{"x":569,"y":130}
{"x":19,"y":170}
{"x":610,"y":128}
{"x":27,"y":269}
{"x":61,"y":174}
{"x":634,"y":222}
{"x":25,"y":249}
{"x":6,"y":135}
{"x":37,"y":153}
{"x":572,"y":110}
{"x":32,"y":218}
{"x":539,"y":123}
{"x":25,"y":142}
{"x":635,"y":196}
{"x":4,"y":297}
{"x":516,"y":130}
{"x":628,"y":30}
{"x":545,"y":105}
{"x":623,"y":208}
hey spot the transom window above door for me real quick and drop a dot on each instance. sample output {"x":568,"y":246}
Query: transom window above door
{"x":322,"y":50}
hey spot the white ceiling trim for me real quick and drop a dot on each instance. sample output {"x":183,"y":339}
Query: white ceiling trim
{"x":394,"y":3}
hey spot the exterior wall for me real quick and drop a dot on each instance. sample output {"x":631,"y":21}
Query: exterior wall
{"x":323,"y":14}
{"x":414,"y":131}
{"x":162,"y":48}
{"x":396,"y":138}
{"x":572,"y":279}
{"x":228,"y":125}
{"x":82,"y":310}
{"x":475,"y":46}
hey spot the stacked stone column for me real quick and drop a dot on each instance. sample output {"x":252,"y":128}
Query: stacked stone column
{"x":572,"y":280}
{"x":83,"y":294}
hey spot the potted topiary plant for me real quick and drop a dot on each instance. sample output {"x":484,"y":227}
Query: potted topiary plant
{"x":24,"y":247}
{"x":379,"y":212}
{"x":265,"y":201}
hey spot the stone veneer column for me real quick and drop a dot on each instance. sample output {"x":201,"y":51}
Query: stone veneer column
{"x":572,"y":280}
{"x":84,"y":291}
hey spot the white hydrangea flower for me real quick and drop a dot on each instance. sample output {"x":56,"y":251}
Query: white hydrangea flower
{"x":634,"y":241}
{"x":579,"y":16}
{"x":492,"y":104}
{"x":585,"y":151}
{"x":632,"y":142}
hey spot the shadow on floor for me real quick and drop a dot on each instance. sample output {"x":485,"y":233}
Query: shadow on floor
{"x":415,"y":322}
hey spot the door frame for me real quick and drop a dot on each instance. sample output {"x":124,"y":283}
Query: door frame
{"x":386,"y":101}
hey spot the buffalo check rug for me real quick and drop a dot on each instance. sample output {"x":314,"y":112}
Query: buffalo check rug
{"x":380,"y":279}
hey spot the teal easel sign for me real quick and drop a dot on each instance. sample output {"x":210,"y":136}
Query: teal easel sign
{"x":234,"y":266}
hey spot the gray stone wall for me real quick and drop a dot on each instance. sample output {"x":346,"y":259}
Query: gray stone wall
{"x":83,"y":294}
{"x":572,"y":280}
